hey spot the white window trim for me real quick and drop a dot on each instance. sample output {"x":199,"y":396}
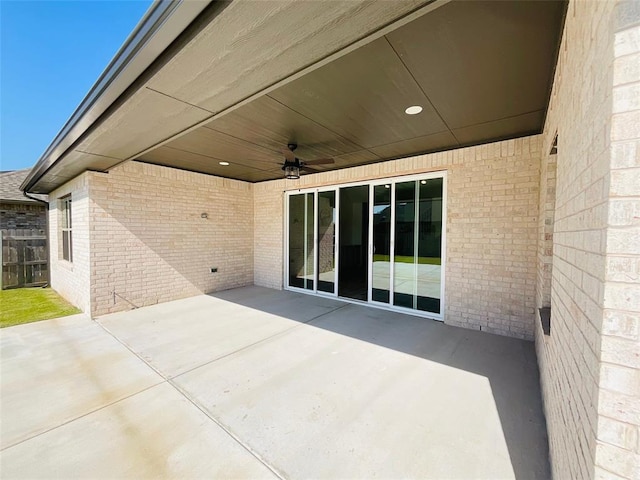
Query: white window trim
{"x":66,"y":207}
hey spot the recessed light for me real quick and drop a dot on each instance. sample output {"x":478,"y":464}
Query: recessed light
{"x":413,"y":110}
{"x":224,"y":164}
{"x":387,"y":186}
{"x":423,"y":182}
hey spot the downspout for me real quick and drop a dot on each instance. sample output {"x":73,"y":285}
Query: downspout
{"x":36,"y":199}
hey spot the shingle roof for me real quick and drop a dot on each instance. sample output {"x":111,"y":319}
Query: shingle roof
{"x":10,"y":187}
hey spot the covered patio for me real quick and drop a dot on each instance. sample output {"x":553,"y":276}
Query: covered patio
{"x":254,"y":382}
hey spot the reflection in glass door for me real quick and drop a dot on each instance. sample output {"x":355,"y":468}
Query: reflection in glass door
{"x":429,"y":245}
{"x":327,"y":214}
{"x":404,"y":258}
{"x":417,"y":267}
{"x":381,"y":233}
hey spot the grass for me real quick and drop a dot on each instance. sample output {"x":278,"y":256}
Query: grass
{"x":25,"y":305}
{"x":421,"y":260}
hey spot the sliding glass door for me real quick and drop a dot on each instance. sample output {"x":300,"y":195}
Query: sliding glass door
{"x":379,"y":242}
{"x":404,"y":258}
{"x":429,"y":245}
{"x":301,"y":241}
{"x":353,"y":269}
{"x":417,"y":258}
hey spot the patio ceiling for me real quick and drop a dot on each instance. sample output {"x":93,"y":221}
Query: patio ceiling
{"x":481,"y":71}
{"x":336,"y":81}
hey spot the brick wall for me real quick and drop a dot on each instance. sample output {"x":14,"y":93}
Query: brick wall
{"x":491,"y":232}
{"x":151,"y":244}
{"x":23,"y":216}
{"x":268,"y":244}
{"x":71,"y":280}
{"x":618,"y":435}
{"x":589,"y":363}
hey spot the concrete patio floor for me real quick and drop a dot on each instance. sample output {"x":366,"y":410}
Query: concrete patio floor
{"x":258,"y":383}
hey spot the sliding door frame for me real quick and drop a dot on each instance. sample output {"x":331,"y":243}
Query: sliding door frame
{"x":371,"y":184}
{"x":336,"y":250}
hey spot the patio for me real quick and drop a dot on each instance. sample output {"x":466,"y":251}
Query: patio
{"x":254,"y":382}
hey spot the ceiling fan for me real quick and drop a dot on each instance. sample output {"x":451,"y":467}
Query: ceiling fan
{"x":293,"y":165}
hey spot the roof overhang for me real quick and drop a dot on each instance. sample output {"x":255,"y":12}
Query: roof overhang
{"x":158,"y":29}
{"x":245,"y":78}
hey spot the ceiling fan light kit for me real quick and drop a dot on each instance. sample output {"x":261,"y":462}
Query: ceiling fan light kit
{"x":291,"y":172}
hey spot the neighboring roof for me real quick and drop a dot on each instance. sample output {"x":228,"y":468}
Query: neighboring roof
{"x":10,"y":187}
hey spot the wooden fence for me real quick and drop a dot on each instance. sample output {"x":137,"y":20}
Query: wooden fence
{"x":25,"y":259}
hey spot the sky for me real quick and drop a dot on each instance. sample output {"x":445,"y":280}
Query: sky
{"x":51,"y":53}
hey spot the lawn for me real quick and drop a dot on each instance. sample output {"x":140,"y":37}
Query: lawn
{"x":402,"y":259}
{"x":24,"y":305}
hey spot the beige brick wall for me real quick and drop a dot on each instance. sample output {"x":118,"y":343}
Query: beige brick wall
{"x":589,"y":364}
{"x":150,"y":244}
{"x":269,"y":230}
{"x":491,"y":231}
{"x":71,"y":280}
{"x":618,"y":446}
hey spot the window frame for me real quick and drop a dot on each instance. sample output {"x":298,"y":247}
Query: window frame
{"x":66,"y":228}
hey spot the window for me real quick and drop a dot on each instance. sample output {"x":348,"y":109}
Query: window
{"x":65,"y":228}
{"x":545,"y":242}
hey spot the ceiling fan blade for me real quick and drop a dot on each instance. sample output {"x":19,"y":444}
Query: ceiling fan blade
{"x":320,"y":161}
{"x":308,"y":170}
{"x":288,"y":154}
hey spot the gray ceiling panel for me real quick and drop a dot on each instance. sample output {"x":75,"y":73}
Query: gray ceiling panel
{"x":481,"y":70}
{"x":197,"y":162}
{"x":205,"y":141}
{"x":422,"y":144}
{"x":362,"y":96}
{"x":267,"y":122}
{"x":252,"y":44}
{"x":483,"y":61}
{"x":148,"y":118}
{"x":77,"y":161}
{"x":485,"y":66}
{"x":361,"y":157}
{"x":237,"y":172}
{"x":527,"y":124}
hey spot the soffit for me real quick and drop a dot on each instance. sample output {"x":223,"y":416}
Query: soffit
{"x":482,"y":61}
{"x":285,"y":35}
{"x":233,"y":51}
{"x":362,"y":96}
{"x":481,"y":70}
{"x":147,"y":117}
